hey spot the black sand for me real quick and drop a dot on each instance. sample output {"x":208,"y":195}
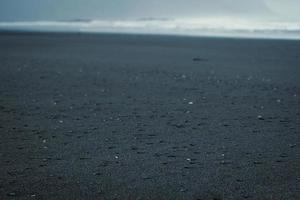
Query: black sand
{"x":148,"y":117}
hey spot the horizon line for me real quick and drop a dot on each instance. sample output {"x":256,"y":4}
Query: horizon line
{"x":220,"y":27}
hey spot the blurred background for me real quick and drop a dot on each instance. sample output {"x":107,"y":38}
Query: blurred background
{"x":267,"y":18}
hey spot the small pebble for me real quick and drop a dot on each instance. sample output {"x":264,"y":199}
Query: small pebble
{"x":260,"y":117}
{"x":11,"y":194}
{"x":183,"y":190}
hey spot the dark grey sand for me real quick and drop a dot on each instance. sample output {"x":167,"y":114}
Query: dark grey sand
{"x":148,"y":117}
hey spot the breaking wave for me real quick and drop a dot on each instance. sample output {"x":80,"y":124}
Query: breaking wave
{"x":224,"y":27}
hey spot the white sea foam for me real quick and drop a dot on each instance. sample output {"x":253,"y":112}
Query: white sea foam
{"x":198,"y":27}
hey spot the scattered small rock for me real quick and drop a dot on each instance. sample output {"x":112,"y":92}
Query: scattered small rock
{"x":145,"y":177}
{"x":292,"y":145}
{"x":224,"y":162}
{"x":257,"y":162}
{"x":260,"y":117}
{"x":199,"y":59}
{"x":11,"y":194}
{"x":179,"y":125}
{"x":183,"y":190}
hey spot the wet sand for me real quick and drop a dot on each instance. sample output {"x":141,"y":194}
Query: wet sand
{"x":86,"y":116}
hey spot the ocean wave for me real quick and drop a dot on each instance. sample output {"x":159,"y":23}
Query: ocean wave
{"x":198,"y":27}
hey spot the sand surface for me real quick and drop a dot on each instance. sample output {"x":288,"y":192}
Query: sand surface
{"x":86,"y":116}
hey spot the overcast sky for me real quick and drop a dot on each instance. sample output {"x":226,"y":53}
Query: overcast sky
{"x":34,"y":10}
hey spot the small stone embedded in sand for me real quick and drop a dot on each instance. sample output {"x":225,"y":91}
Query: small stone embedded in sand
{"x":225,"y":162}
{"x":257,"y":162}
{"x":11,"y":194}
{"x":61,"y":121}
{"x":260,"y":117}
{"x":188,"y":159}
{"x":183,"y":190}
{"x":145,"y":177}
{"x":179,"y":125}
{"x":198,"y":59}
{"x":191,"y":103}
{"x":116,"y":157}
{"x":283,"y":155}
{"x":44,"y":141}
